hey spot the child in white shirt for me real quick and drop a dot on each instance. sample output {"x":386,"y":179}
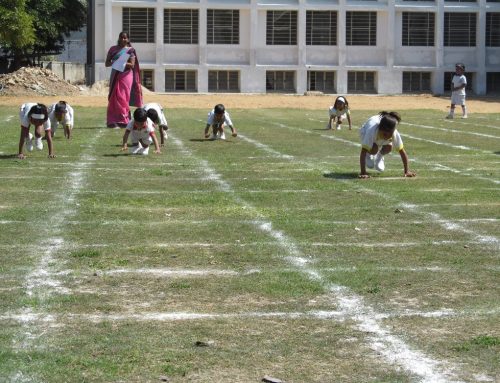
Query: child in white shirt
{"x":338,"y":112}
{"x":155,"y":114}
{"x":458,"y":84}
{"x":218,"y":119}
{"x":142,"y":134}
{"x":61,"y":113}
{"x":37,"y":115}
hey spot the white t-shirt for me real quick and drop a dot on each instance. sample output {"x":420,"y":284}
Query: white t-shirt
{"x":370,"y":134}
{"x":459,"y":81}
{"x":226,"y":120}
{"x":159,"y":110}
{"x":144,"y":134}
{"x":25,"y":120}
{"x":67,"y":119}
{"x":338,"y":113}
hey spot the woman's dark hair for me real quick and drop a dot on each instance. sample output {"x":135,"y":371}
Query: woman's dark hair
{"x":120,"y":35}
{"x":343,"y":99}
{"x":153,"y":116}
{"x":60,"y":107}
{"x":389,"y":121}
{"x":140,"y":115}
{"x":219,"y":109}
{"x":39,"y":109}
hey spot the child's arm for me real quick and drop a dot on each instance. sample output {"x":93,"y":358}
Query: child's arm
{"x":48,"y":135}
{"x":155,"y":140}
{"x":233,"y":130}
{"x":24,"y":132}
{"x":206,"y":131}
{"x":349,"y":120}
{"x":362,"y":164}
{"x":329,"y":125}
{"x":404,"y":158}
{"x":125,"y":139}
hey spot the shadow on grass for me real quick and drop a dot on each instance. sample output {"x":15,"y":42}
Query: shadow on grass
{"x":116,"y":155}
{"x":497,"y":153}
{"x":322,"y":130}
{"x":8,"y":156}
{"x":209,"y":140}
{"x":341,"y":175}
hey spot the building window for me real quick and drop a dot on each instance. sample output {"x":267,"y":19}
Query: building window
{"x":361,"y":28}
{"x":321,"y":81}
{"x":449,"y":75}
{"x":139,"y":23}
{"x":460,"y":1}
{"x":280,"y":81}
{"x":281,"y":28}
{"x":180,"y":81}
{"x":180,"y":26}
{"x":223,"y":26}
{"x":223,"y":81}
{"x":415,"y":82}
{"x":459,"y":29}
{"x":493,"y":82}
{"x":321,"y":28}
{"x":147,"y":79}
{"x":361,"y":82}
{"x":492,"y":29}
{"x":418,"y":29}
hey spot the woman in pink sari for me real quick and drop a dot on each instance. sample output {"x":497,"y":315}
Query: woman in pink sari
{"x":124,"y":83}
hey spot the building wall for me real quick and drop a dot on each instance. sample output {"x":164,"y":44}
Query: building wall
{"x":252,"y":57}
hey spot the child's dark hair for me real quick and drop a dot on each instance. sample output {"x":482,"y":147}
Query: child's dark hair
{"x":219,"y":109}
{"x":140,"y":115}
{"x":153,"y":116}
{"x":389,"y":120}
{"x":39,"y":112}
{"x":342,"y":99}
{"x":60,"y":107}
{"x":460,"y":65}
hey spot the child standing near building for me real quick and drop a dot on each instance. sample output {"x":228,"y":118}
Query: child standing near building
{"x":155,"y":114}
{"x":218,"y":119}
{"x":378,"y":136}
{"x":61,"y":113}
{"x":38,"y":116}
{"x":142,"y":133}
{"x":338,"y":112}
{"x":458,"y":84}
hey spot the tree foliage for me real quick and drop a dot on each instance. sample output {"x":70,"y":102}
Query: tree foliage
{"x":45,"y":24}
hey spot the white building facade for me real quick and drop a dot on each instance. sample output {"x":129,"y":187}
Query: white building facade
{"x":294,"y":46}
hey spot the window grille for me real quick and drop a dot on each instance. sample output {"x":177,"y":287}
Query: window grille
{"x":493,"y":1}
{"x":180,"y":26}
{"x":418,"y":29}
{"x":321,"y":28}
{"x":180,"y":81}
{"x":460,"y":1}
{"x":361,"y":82}
{"x":147,"y":79}
{"x":223,"y":81}
{"x":493,"y":82}
{"x":420,"y":0}
{"x":414,"y":82}
{"x":459,"y":29}
{"x":139,"y":23}
{"x":361,"y":28}
{"x":492,"y":29}
{"x":321,"y":81}
{"x":280,"y":81}
{"x":449,"y":75}
{"x":223,"y":26}
{"x":281,"y":28}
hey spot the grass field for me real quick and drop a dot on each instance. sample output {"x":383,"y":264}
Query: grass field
{"x":263,"y":255}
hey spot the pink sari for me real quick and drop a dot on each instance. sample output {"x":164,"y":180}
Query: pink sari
{"x":124,"y":89}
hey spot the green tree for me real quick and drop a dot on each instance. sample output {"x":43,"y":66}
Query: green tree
{"x":50,"y":20}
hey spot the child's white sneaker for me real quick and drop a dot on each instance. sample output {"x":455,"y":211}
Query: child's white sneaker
{"x":223,"y":136}
{"x":338,"y":127}
{"x":464,"y":116}
{"x":165,"y":135}
{"x":29,"y":143}
{"x":369,"y":161}
{"x":144,"y":151}
{"x":135,"y":149}
{"x":379,"y":162}
{"x":38,"y":143}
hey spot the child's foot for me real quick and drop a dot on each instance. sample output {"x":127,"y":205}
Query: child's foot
{"x":338,"y":127}
{"x":379,"y":162}
{"x":369,"y":161}
{"x":464,"y":116}
{"x":38,"y":143}
{"x":29,"y":143}
{"x":143,"y":151}
{"x":223,"y":136}
{"x":449,"y":116}
{"x":135,"y":149}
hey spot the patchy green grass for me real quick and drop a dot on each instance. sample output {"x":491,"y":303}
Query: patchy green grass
{"x":266,"y":249}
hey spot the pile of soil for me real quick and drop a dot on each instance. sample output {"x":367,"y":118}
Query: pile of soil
{"x":29,"y":81}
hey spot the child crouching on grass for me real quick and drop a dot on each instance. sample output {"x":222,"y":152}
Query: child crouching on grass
{"x":142,"y":133}
{"x":338,"y":112}
{"x":378,"y":136}
{"x":218,"y":119}
{"x":37,"y":115}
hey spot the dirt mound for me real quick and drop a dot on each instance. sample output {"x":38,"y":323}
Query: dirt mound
{"x":101,"y":88}
{"x":30,"y":81}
